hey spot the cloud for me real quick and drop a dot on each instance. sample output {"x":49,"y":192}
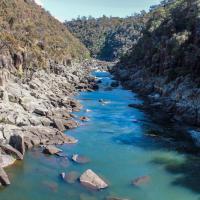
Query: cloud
{"x":39,"y":2}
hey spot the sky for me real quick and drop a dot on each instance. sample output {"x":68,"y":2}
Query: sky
{"x":69,"y":9}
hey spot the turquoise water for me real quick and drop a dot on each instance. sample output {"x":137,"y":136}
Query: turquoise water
{"x":119,"y":149}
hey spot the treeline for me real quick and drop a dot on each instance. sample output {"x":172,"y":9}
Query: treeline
{"x":170,"y":44}
{"x":108,"y":38}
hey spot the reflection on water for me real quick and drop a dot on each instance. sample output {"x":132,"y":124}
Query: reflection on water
{"x":122,"y":144}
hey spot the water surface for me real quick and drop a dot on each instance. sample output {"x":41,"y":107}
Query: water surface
{"x":117,"y":142}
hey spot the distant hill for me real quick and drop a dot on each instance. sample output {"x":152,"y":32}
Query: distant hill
{"x":30,"y":36}
{"x":108,"y":38}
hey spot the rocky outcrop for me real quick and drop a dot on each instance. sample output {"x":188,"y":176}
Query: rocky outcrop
{"x":92,"y":180}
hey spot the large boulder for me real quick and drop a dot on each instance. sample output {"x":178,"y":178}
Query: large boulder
{"x":4,"y":180}
{"x":92,"y":180}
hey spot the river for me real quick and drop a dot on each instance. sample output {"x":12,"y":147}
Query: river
{"x":118,"y":143}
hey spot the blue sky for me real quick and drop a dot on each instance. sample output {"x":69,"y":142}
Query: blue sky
{"x":68,"y":9}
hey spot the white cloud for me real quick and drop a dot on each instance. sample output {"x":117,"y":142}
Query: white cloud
{"x":39,"y":2}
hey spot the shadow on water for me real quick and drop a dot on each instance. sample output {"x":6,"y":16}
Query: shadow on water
{"x":187,"y":171}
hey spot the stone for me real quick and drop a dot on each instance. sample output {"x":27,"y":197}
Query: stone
{"x":59,"y":124}
{"x":80,"y":159}
{"x":70,"y":124}
{"x":69,"y":140}
{"x":51,"y":150}
{"x":41,"y":111}
{"x":140,"y":181}
{"x":92,"y":180}
{"x":4,"y":180}
{"x":11,"y":150}
{"x":35,"y":121}
{"x":70,"y":177}
{"x":6,"y":160}
{"x":46,"y":121}
{"x":84,"y":119}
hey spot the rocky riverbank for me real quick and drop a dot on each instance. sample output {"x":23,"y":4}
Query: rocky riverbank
{"x":36,"y":109}
{"x":178,"y":99}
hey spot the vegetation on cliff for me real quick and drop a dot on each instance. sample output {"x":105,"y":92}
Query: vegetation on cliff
{"x":31,"y":37}
{"x":170,"y":45}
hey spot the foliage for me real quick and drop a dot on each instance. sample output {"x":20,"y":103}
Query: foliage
{"x":27,"y":29}
{"x":108,"y":37}
{"x":170,"y":44}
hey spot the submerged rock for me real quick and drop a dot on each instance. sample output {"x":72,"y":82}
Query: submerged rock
{"x":140,"y":180}
{"x":70,"y":177}
{"x":80,"y":159}
{"x":92,"y":180}
{"x":51,"y":149}
{"x":114,"y":198}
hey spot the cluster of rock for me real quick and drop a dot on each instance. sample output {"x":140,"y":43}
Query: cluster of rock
{"x":36,"y":110}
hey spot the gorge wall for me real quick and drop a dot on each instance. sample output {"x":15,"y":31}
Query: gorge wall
{"x":164,"y":63}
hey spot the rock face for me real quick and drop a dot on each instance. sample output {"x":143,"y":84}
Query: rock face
{"x":92,"y":180}
{"x":4,"y":180}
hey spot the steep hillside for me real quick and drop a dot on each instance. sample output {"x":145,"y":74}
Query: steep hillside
{"x":165,"y":61}
{"x":32,"y":37}
{"x":108,"y":37}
